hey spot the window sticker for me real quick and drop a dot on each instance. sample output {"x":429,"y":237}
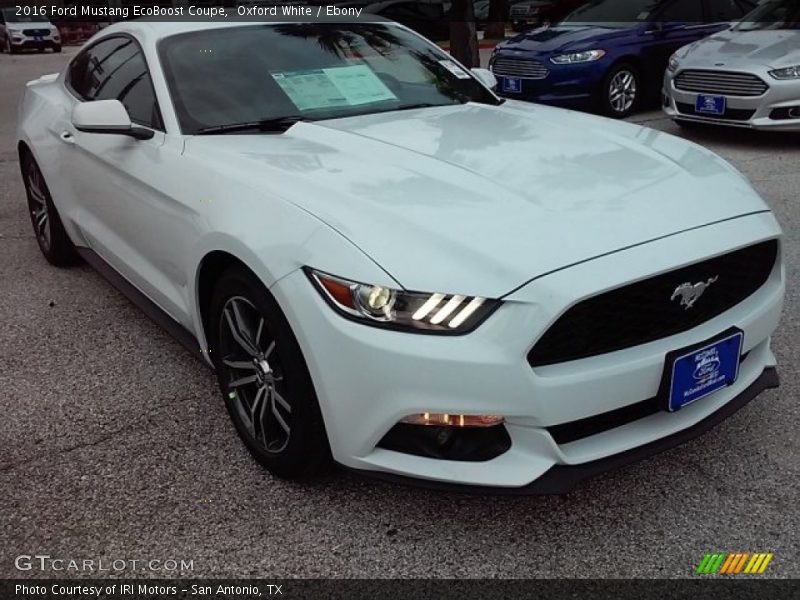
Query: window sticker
{"x":454,"y":69}
{"x":337,"y":86}
{"x":359,"y":84}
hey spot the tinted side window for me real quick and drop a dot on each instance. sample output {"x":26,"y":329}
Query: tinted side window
{"x":683,"y":11}
{"x":116,"y":69}
{"x":724,"y":10}
{"x":92,"y":66}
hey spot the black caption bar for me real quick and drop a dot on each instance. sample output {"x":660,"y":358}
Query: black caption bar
{"x":350,"y":589}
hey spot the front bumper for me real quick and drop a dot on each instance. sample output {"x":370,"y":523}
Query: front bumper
{"x":765,"y":112}
{"x":561,"y":479}
{"x":369,"y":379}
{"x":24,"y":42}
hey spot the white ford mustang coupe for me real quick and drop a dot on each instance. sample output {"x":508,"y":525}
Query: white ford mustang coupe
{"x":390,"y":268}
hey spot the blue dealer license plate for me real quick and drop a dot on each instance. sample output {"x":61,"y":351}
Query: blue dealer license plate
{"x":694,"y":374}
{"x":512,"y":84}
{"x":712,"y":105}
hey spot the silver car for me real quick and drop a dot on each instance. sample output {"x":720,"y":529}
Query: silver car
{"x":746,"y":76}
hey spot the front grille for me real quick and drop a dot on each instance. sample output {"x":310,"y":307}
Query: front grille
{"x":520,"y":67}
{"x":721,"y":82}
{"x":732,"y":114}
{"x":34,"y":32}
{"x":643,"y":312}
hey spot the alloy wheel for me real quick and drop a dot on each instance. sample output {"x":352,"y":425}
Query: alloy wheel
{"x":37,"y":204}
{"x":253,"y":375}
{"x":622,"y":91}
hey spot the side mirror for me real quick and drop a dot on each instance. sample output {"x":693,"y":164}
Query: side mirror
{"x":107,"y":116}
{"x":486,"y":77}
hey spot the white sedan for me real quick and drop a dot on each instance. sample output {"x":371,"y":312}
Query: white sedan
{"x":746,"y":76}
{"x":392,"y":269}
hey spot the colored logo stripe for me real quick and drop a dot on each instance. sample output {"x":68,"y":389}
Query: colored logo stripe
{"x":734,"y":562}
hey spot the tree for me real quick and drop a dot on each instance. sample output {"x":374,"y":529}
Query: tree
{"x":496,"y":25}
{"x":463,"y":35}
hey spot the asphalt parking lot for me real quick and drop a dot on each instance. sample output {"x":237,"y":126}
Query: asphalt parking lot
{"x":116,"y":445}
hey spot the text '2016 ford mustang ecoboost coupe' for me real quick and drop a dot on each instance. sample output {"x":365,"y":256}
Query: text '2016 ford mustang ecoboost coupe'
{"x":390,"y":267}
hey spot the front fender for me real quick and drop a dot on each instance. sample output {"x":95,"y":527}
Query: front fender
{"x":273,"y":259}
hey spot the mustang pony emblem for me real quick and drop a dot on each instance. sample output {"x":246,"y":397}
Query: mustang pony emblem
{"x":690,"y":293}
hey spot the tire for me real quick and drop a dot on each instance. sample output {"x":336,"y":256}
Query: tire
{"x":53,"y":240}
{"x":10,"y":47}
{"x":260,"y":369}
{"x":57,"y":49}
{"x":621,"y":92}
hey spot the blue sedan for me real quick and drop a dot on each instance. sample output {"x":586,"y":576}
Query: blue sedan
{"x":608,"y":54}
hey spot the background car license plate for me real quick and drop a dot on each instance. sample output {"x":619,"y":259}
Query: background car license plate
{"x":512,"y":84}
{"x":696,"y":373}
{"x":713,"y":105}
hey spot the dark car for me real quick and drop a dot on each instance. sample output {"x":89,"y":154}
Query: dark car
{"x":607,"y":54}
{"x":530,"y":13}
{"x":426,"y":17}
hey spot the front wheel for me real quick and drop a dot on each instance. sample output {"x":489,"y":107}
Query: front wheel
{"x":57,"y":49}
{"x":621,"y":91}
{"x":264,"y":380}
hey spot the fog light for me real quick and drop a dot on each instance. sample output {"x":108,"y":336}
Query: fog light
{"x":453,"y":420}
{"x":787,"y":112}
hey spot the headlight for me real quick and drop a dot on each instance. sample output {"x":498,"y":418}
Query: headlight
{"x":578,"y":57}
{"x":390,"y":308}
{"x":673,"y":65}
{"x":13,"y":29}
{"x":787,"y":73}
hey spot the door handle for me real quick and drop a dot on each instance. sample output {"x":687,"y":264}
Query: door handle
{"x":67,"y":137}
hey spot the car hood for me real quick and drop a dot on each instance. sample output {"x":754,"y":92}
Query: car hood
{"x":478,"y":199}
{"x":772,"y":49}
{"x":562,"y":37}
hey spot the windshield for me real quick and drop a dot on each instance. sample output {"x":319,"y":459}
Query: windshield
{"x":772,"y":14}
{"x":312,"y":71}
{"x":612,"y":13}
{"x":10,"y":15}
